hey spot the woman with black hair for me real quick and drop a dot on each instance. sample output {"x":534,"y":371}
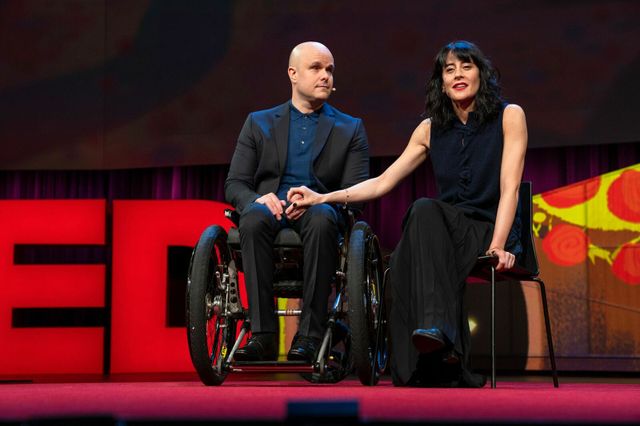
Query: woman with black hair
{"x":477,"y":144}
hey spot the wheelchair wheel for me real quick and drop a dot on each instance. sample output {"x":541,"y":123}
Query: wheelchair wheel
{"x":364,"y":285}
{"x":210,"y":331}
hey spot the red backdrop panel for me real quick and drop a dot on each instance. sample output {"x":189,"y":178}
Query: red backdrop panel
{"x":142,"y":233}
{"x":52,"y":349}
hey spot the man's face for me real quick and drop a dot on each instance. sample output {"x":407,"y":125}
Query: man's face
{"x":312,"y":74}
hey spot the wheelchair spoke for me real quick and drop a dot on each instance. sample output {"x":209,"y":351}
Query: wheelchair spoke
{"x":213,"y":339}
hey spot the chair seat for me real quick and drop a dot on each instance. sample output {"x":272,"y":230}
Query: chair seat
{"x":287,"y":237}
{"x":284,"y":284}
{"x":482,"y":269}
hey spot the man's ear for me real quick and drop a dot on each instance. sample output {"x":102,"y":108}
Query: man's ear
{"x":293,"y":74}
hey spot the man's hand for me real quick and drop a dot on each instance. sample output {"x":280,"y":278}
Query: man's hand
{"x":506,"y":260}
{"x":294,"y":211}
{"x":272,"y":202}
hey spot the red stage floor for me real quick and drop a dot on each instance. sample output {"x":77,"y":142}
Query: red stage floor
{"x":266,"y":399}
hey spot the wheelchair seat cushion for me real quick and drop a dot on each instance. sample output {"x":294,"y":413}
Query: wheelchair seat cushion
{"x":287,"y":237}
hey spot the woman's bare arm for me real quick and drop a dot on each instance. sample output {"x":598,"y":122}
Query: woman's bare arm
{"x":515,"y":145}
{"x":412,"y":156}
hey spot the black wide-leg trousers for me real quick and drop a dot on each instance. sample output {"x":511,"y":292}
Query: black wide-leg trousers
{"x":429,"y":267}
{"x":318,"y":228}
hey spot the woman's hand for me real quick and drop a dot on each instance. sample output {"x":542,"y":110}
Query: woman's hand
{"x":294,"y":211}
{"x":506,"y":260}
{"x":302,"y":196}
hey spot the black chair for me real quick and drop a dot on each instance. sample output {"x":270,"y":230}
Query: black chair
{"x":525,"y":270}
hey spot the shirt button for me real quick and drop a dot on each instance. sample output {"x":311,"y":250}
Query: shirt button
{"x":302,"y":142}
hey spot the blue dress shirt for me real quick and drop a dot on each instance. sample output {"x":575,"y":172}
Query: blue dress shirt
{"x":299,"y":168}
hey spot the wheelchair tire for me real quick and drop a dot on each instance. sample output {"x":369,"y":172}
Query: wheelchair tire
{"x":364,"y":283}
{"x":210,"y":335}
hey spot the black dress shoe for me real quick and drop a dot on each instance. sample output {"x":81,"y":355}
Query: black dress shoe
{"x":260,"y":347}
{"x":429,"y":340}
{"x":433,"y":371}
{"x":303,"y":348}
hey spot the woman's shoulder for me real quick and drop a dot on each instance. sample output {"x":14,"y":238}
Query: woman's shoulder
{"x":425,"y":125}
{"x":513,"y":115}
{"x":422,"y":133}
{"x":513,"y":110}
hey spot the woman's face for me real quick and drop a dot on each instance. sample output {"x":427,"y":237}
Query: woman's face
{"x":460,"y":80}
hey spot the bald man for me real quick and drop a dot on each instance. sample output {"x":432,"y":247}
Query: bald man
{"x":304,"y":141}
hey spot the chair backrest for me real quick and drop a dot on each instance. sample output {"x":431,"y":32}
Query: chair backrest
{"x":528,"y":260}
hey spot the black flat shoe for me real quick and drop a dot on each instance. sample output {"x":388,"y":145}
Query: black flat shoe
{"x":260,"y":347}
{"x":451,"y":357}
{"x":304,"y":348}
{"x":429,"y":340}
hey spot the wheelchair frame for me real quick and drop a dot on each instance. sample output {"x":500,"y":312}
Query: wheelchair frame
{"x":355,"y":336}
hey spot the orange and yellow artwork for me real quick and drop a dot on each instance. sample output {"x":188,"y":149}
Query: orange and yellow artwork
{"x":598,"y":219}
{"x":587,"y":239}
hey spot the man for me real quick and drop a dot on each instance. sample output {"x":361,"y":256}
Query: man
{"x":302,"y":142}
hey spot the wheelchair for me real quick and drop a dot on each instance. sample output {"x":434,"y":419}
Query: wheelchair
{"x":217,"y":322}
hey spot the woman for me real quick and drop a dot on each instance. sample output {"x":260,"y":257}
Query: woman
{"x":477,"y":145}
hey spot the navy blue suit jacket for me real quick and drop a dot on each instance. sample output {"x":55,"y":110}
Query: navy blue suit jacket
{"x":340,"y":154}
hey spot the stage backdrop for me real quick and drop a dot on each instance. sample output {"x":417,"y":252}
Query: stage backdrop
{"x":93,"y":266}
{"x":145,"y":83}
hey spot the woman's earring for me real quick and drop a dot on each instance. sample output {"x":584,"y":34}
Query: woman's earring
{"x":442,"y":89}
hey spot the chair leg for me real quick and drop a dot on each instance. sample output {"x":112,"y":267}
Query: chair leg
{"x":547,"y":323}
{"x":493,"y":327}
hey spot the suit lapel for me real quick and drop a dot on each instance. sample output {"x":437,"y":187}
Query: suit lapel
{"x":281,"y":134}
{"x":325,"y":124}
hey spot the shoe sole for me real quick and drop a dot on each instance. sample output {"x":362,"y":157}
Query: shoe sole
{"x":295,"y":357}
{"x":240,"y":355}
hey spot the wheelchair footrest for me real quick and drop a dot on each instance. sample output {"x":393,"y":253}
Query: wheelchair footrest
{"x":271,"y":367}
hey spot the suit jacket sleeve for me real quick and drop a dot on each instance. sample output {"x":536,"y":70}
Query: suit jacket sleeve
{"x":239,"y":188}
{"x":357,"y":163}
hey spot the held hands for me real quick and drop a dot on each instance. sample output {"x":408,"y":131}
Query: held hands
{"x":276,"y":206}
{"x":294,"y":211}
{"x":302,"y":197}
{"x":506,"y":260}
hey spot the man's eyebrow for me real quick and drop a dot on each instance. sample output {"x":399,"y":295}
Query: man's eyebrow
{"x":319,"y":64}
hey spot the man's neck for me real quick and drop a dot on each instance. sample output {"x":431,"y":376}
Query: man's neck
{"x":306,"y":107}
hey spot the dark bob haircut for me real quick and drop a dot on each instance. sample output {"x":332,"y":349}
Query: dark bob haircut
{"x":488,"y":101}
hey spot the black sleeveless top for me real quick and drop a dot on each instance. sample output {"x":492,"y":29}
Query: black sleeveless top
{"x":466,"y":160}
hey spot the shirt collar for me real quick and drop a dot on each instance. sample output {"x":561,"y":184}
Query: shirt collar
{"x":472,"y":122}
{"x":296,"y":115}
